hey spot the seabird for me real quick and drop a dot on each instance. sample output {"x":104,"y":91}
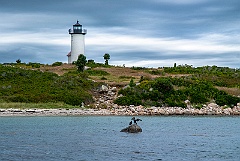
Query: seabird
{"x":130,"y":123}
{"x":135,"y":120}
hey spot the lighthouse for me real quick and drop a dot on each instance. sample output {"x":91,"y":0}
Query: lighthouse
{"x":77,"y":42}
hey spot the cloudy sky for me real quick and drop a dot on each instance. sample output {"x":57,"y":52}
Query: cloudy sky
{"x":148,"y":33}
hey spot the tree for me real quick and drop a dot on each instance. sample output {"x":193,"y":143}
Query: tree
{"x":106,"y":57}
{"x":132,"y":84}
{"x":81,"y":62}
{"x":18,"y":61}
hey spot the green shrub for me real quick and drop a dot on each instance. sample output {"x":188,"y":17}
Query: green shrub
{"x":57,"y":64}
{"x":226,"y":100}
{"x":128,"y":100}
{"x":161,"y":92}
{"x":131,"y":83}
{"x":103,"y":78}
{"x":95,"y":65}
{"x":97,"y":72}
{"x":34,"y":65}
{"x":31,"y":86}
{"x":163,"y":85}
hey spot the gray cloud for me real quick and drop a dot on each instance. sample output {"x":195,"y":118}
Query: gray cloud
{"x":137,"y":32}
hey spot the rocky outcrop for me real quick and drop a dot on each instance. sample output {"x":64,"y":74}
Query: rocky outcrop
{"x":134,"y":128}
{"x":106,"y":101}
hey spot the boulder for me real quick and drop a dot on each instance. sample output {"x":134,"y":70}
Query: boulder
{"x":103,"y":89}
{"x":134,"y":128}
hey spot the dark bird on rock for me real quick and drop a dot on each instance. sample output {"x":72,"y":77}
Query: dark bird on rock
{"x":135,"y":120}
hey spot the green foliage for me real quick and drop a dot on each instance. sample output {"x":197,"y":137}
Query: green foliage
{"x":97,"y":72}
{"x":95,"y":65}
{"x":31,"y":86}
{"x":128,"y":100}
{"x":81,"y":62}
{"x":161,"y":92}
{"x":48,"y":105}
{"x":34,"y":65}
{"x":18,"y":61}
{"x":156,"y":72}
{"x":226,"y":99}
{"x":90,"y":61}
{"x":57,"y":64}
{"x":131,"y":83}
{"x":106,"y":57}
{"x":103,"y":78}
{"x":219,"y":76}
{"x":163,"y":85}
{"x":138,"y":68}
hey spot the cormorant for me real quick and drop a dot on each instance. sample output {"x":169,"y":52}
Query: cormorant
{"x":130,"y":123}
{"x":135,"y":120}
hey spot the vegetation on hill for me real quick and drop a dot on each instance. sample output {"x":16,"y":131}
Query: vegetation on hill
{"x":173,"y":92}
{"x":21,"y":85}
{"x":219,"y":76}
{"x":168,"y":86}
{"x":199,"y":85}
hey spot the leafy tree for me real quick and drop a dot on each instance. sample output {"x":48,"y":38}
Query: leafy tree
{"x":163,"y":85}
{"x":81,"y":62}
{"x":18,"y":61}
{"x":57,"y":64}
{"x":106,"y":57}
{"x":132,"y":84}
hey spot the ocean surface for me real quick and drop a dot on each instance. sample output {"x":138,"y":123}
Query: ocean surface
{"x":99,"y":138}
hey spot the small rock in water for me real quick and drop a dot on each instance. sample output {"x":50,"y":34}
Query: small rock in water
{"x":134,"y":128}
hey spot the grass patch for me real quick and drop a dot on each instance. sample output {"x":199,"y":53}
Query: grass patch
{"x":97,"y":72}
{"x":126,"y":77}
{"x":231,"y":91}
{"x":49,"y":105}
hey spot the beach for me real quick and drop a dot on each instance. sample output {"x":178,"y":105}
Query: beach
{"x":210,"y":109}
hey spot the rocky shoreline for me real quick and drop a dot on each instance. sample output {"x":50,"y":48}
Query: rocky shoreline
{"x":210,"y":109}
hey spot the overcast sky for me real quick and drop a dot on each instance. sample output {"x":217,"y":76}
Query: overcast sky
{"x":148,"y":33}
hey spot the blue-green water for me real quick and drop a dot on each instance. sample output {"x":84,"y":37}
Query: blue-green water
{"x":98,"y":138}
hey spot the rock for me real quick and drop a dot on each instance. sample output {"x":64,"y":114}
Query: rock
{"x":238,"y":104}
{"x":226,"y":111}
{"x":127,"y":86}
{"x":103,"y":89}
{"x":134,"y":128}
{"x":188,"y":103}
{"x":212,"y":105}
{"x":114,"y":89}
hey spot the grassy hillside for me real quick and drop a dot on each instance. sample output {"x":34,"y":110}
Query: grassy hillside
{"x":168,"y":86}
{"x":30,"y":85}
{"x":174,"y":85}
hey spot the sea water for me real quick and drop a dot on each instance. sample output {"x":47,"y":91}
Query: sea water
{"x":99,"y":138}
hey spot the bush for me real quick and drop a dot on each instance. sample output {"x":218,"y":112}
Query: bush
{"x":131,"y":83}
{"x":227,"y":100}
{"x":57,"y":64}
{"x":95,"y":65}
{"x":34,"y":65}
{"x":128,"y":100}
{"x":103,"y":78}
{"x":163,"y":85}
{"x":19,"y":85}
{"x":97,"y":72}
{"x":161,"y":92}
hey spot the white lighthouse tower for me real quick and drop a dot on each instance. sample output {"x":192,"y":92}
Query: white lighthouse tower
{"x":77,"y":42}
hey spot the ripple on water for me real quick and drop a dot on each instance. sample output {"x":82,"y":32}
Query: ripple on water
{"x":99,"y":138}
